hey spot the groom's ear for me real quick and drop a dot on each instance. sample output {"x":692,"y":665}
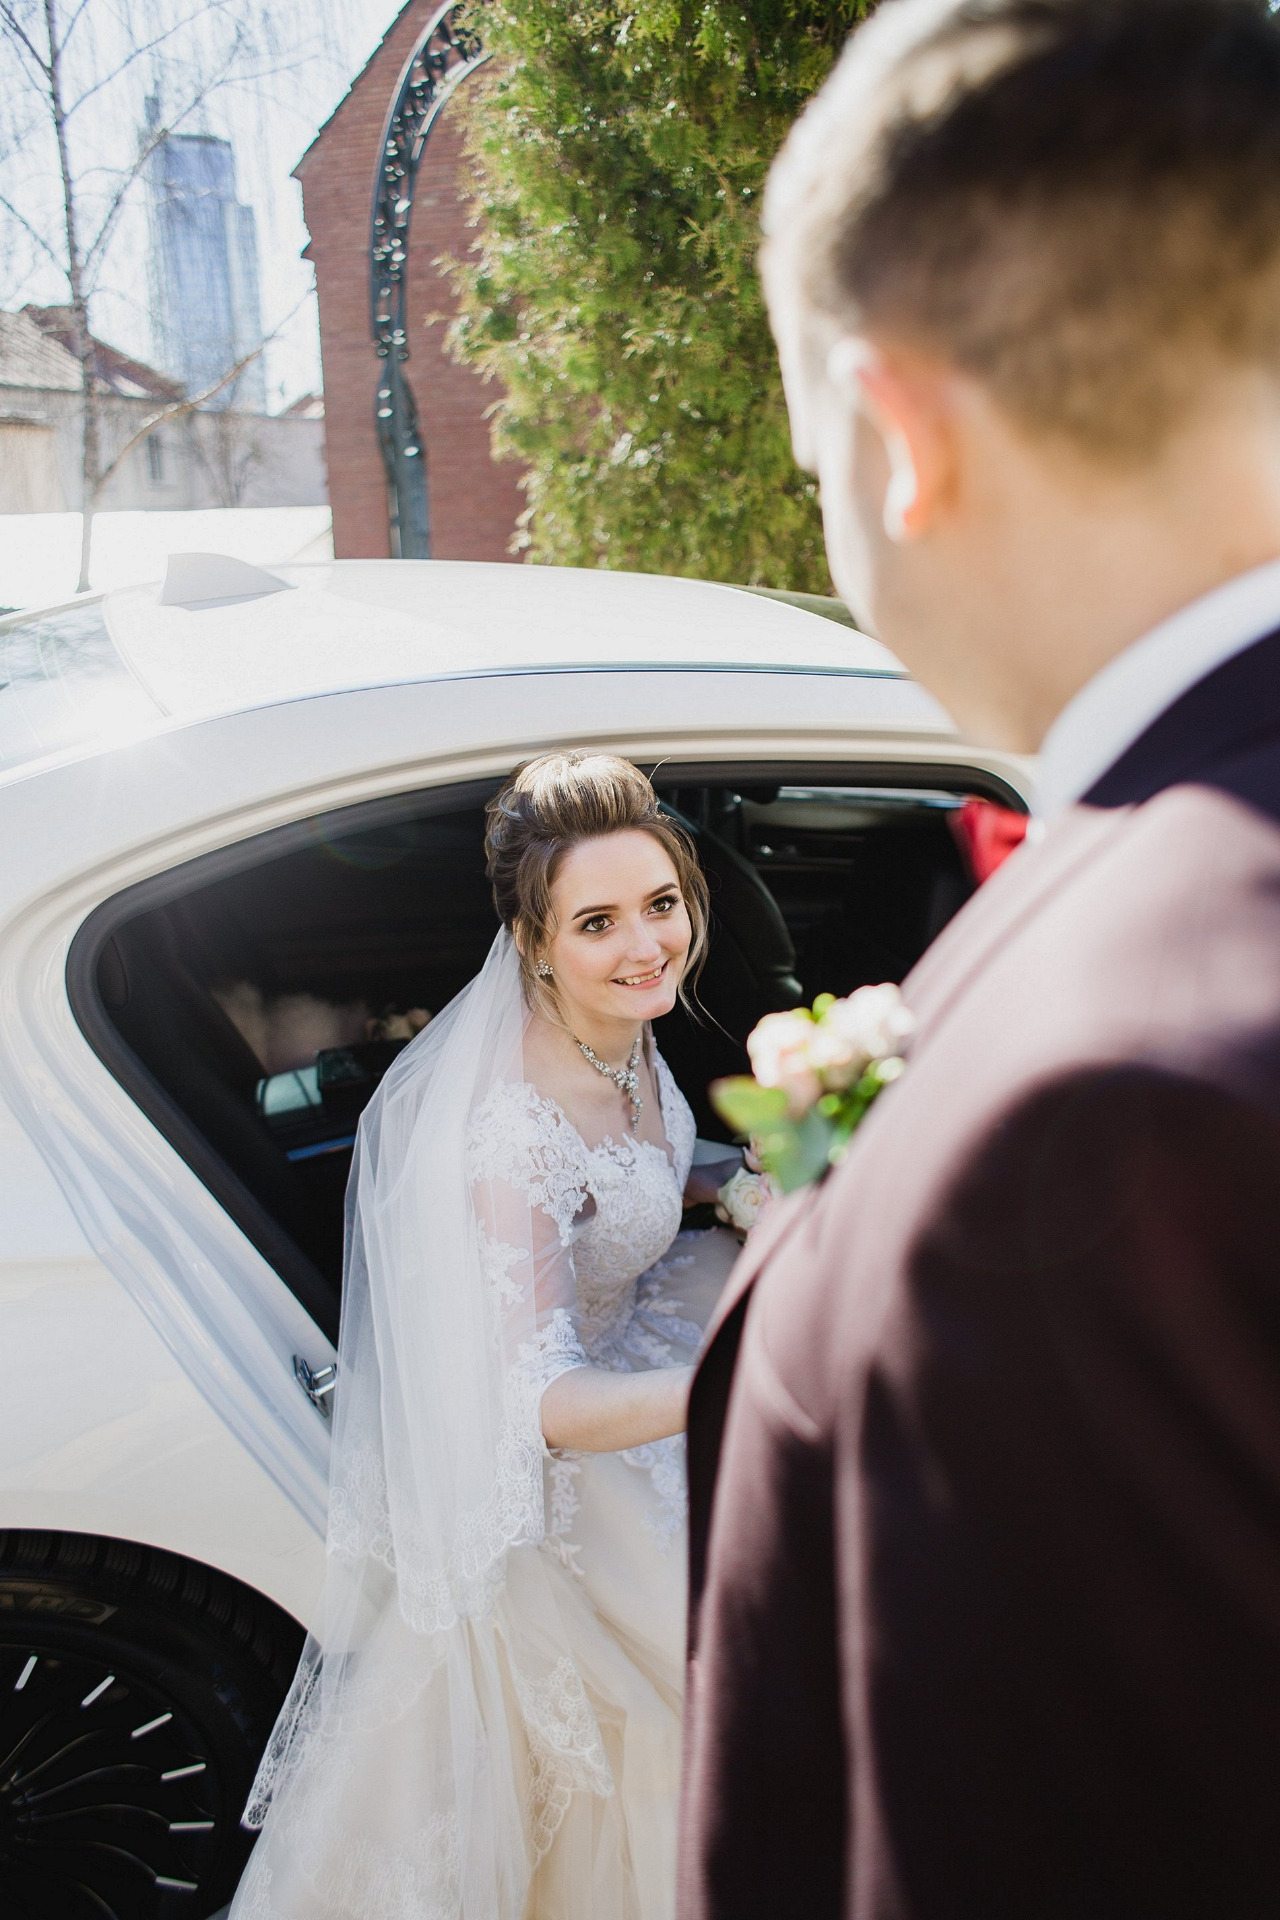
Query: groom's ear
{"x":909,"y":401}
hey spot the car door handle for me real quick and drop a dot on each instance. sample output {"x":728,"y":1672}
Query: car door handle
{"x":316,"y":1382}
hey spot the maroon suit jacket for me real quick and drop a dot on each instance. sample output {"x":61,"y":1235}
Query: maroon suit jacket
{"x":984,"y":1452}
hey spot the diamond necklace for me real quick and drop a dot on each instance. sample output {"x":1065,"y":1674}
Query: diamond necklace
{"x":625,"y":1079}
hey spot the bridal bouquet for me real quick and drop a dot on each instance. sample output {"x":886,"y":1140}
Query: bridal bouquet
{"x":814,"y":1074}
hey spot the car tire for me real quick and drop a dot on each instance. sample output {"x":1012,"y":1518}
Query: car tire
{"x":137,"y":1691}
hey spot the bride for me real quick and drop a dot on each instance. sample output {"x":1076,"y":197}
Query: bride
{"x":487,"y":1726}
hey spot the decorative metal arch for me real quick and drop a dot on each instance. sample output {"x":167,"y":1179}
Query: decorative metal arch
{"x":442,"y":59}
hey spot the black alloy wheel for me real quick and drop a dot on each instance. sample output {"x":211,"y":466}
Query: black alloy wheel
{"x":137,"y":1691}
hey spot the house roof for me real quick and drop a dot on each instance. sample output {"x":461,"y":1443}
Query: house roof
{"x":31,"y":358}
{"x":118,"y":373}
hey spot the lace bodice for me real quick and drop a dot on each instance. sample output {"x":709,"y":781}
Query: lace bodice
{"x":616,"y":1207}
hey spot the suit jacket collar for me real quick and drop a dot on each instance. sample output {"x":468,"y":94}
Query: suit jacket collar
{"x":1122,"y":699}
{"x":1199,"y":735}
{"x":1235,"y":705}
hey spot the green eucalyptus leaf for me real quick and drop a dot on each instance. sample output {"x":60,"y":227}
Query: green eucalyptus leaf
{"x":800,"y":1152}
{"x":747,"y":1106}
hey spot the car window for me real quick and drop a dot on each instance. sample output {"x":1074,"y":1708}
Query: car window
{"x":63,"y":686}
{"x":252,"y":1005}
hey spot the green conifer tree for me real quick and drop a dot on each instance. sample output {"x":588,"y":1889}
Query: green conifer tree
{"x":620,"y":148}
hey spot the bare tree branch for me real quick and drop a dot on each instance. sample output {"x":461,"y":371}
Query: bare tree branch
{"x":174,"y":411}
{"x":11,"y":24}
{"x":115,"y":206}
{"x":31,"y":232}
{"x":176,"y":408}
{"x":136,"y":53}
{"x":69,"y":26}
{"x":81,"y":339}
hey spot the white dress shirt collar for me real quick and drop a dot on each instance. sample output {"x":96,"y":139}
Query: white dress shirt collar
{"x":1117,"y":706}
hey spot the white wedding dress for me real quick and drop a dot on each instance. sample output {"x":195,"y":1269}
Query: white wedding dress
{"x":487,"y":1726}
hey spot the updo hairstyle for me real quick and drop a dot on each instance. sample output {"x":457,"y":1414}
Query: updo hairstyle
{"x":551,"y":804}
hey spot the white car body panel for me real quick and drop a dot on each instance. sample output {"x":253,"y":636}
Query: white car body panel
{"x":431,"y":619}
{"x":148,"y":1345}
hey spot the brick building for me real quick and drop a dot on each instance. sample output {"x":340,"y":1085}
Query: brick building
{"x":473,"y":501}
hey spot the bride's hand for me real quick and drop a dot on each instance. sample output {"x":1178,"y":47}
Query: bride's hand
{"x":589,"y":1410}
{"x":706,"y":1180}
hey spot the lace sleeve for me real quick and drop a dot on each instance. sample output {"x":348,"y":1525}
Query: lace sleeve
{"x":523,"y":1141}
{"x":528,"y":1181}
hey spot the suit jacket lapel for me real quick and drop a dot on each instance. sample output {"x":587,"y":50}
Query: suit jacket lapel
{"x":1013,"y":896}
{"x":778,"y":1223}
{"x":713,"y":1383}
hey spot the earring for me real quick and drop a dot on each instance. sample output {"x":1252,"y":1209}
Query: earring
{"x":543,"y":970}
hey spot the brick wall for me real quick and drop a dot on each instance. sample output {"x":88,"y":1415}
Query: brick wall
{"x":473,"y":501}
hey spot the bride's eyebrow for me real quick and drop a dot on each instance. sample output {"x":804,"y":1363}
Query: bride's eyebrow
{"x":588,"y":913}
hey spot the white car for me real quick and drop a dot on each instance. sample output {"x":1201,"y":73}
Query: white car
{"x":242,"y":828}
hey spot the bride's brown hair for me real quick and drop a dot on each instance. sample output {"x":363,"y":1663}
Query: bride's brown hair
{"x":551,"y":804}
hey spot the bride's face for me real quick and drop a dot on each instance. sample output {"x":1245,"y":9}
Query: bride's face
{"x":622,"y":930}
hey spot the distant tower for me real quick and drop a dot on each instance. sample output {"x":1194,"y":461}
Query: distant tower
{"x":204,"y":268}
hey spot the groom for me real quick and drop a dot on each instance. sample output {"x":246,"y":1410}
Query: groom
{"x":985,"y":1450}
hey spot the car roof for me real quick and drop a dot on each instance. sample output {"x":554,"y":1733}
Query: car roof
{"x":103,"y":669}
{"x":355,"y":623}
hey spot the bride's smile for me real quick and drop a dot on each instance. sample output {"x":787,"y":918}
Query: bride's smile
{"x":644,"y":979}
{"x":621,"y":938}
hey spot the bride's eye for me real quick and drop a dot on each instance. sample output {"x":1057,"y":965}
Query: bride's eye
{"x":596,"y":924}
{"x":667,"y":903}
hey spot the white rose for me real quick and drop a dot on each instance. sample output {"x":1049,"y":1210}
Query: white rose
{"x":873,"y":1023}
{"x":742,"y":1199}
{"x":780,"y":1050}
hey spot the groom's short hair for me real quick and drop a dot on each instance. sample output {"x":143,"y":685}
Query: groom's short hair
{"x":1075,"y":201}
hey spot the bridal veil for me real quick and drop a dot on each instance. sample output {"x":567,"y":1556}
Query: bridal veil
{"x":438,"y":1726}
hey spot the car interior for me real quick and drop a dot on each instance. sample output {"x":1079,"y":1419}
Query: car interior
{"x":251,"y":1001}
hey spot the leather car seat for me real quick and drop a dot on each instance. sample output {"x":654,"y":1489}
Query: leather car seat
{"x":750,"y":970}
{"x":904,"y":885}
